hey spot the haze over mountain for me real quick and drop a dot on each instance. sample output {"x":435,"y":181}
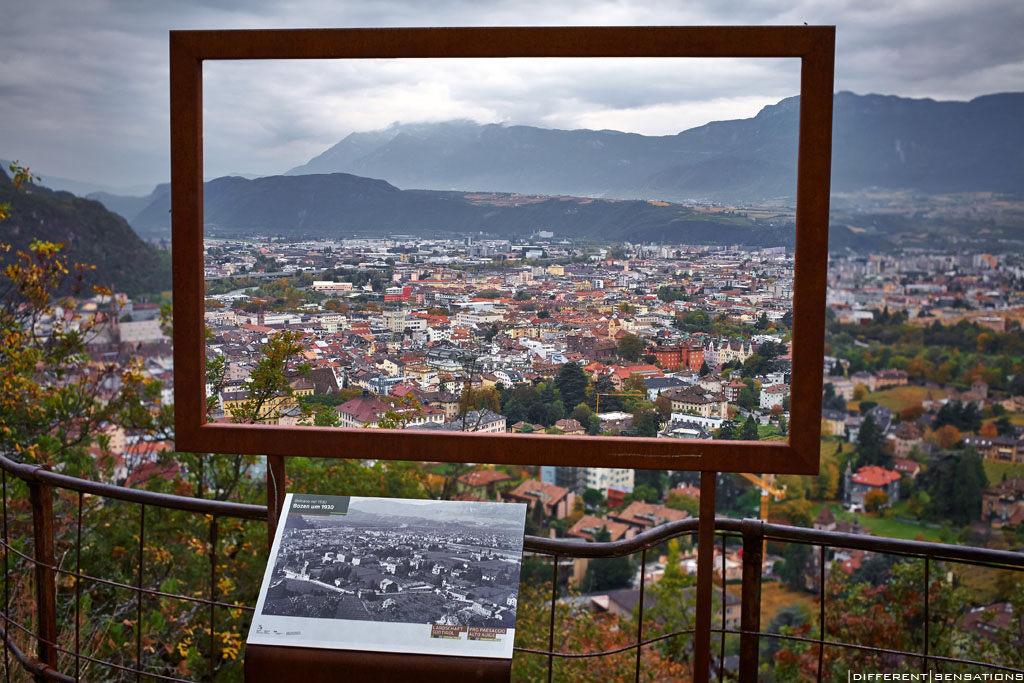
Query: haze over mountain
{"x":131,"y":207}
{"x":81,"y":188}
{"x":878,"y":142}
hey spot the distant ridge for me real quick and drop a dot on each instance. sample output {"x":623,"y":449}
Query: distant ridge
{"x":92,"y":235}
{"x":878,"y":141}
{"x":337,"y":204}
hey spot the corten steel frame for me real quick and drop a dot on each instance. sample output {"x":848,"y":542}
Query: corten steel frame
{"x":814,"y":46}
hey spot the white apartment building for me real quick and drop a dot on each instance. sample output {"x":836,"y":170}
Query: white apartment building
{"x":604,"y":478}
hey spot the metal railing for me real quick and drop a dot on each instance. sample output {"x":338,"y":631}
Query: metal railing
{"x":41,"y":484}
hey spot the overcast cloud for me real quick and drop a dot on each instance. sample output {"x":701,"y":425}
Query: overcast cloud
{"x":84,"y":91}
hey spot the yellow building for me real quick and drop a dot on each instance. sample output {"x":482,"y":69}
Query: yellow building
{"x":237,"y":402}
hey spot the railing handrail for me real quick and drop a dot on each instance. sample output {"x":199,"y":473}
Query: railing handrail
{"x":218,"y":508}
{"x":41,"y":481}
{"x":554,"y":546}
{"x":774,"y":532}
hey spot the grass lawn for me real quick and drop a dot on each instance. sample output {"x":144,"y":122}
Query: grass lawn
{"x":898,"y":398}
{"x":765,"y":431}
{"x":882,"y":526}
{"x":885,"y":526}
{"x":775,"y":595}
{"x":995,"y":470}
{"x":891,"y":528}
{"x":828,"y":446}
{"x":1015,"y":419}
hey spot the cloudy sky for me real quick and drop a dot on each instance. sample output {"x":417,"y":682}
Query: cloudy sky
{"x":84,"y":83}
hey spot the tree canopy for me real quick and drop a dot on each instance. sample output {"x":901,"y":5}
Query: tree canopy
{"x":630,"y":347}
{"x":571,"y":383}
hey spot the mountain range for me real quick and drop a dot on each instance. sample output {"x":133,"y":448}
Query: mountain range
{"x":878,"y":142}
{"x":466,"y":177}
{"x":335,"y":204}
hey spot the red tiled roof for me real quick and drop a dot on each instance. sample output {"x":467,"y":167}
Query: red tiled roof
{"x":364,"y":408}
{"x":588,"y":526}
{"x":905,"y":465}
{"x":648,"y":514}
{"x":533,"y":489}
{"x":686,"y":490}
{"x":873,"y":475}
{"x":482,"y":477}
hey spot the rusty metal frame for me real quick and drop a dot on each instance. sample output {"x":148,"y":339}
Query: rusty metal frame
{"x":813,"y":45}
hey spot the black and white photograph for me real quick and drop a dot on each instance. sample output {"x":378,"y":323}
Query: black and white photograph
{"x":449,"y":569}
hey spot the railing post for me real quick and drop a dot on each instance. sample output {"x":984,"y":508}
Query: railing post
{"x":750,"y":614}
{"x":275,"y":494}
{"x":705,"y":583}
{"x":41,"y":499}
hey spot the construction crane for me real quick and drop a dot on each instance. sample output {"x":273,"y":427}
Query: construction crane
{"x":768,"y":488}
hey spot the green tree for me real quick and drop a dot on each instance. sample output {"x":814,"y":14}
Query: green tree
{"x":630,"y":347}
{"x":645,"y":422}
{"x":955,"y":483}
{"x":582,"y":414}
{"x":571,"y":383}
{"x":672,"y":607}
{"x":607,"y":573}
{"x":727,"y":431}
{"x":830,"y":399}
{"x":749,"y":430}
{"x":793,"y":619}
{"x":893,"y":613}
{"x":869,"y":445}
{"x":604,"y":387}
{"x":747,"y":398}
{"x":875,"y":500}
{"x":325,"y":416}
{"x":791,"y":568}
{"x":679,"y":501}
{"x":53,"y":405}
{"x":267,"y":384}
{"x":592,"y":498}
{"x":1004,"y":427}
{"x":645,"y":493}
{"x":656,"y":479}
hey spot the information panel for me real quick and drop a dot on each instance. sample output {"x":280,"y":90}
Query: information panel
{"x":393,"y":575}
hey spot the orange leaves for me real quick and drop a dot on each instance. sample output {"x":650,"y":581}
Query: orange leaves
{"x":231,"y":644}
{"x":197,"y":546}
{"x":182,"y":487}
{"x":225,"y":585}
